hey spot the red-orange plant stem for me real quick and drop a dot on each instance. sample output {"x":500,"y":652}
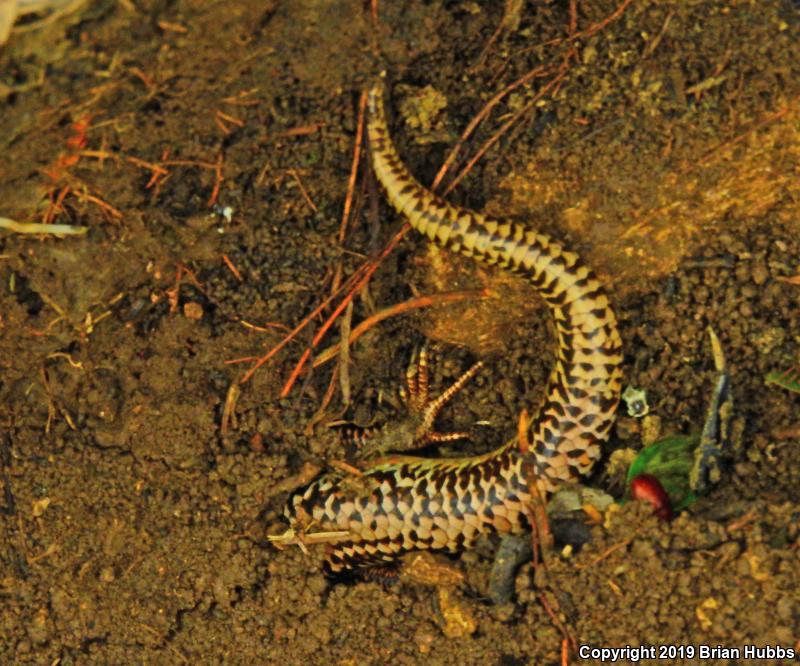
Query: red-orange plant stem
{"x":262,"y":360}
{"x":371,"y":267}
{"x":400,"y":308}
{"x":473,"y":124}
{"x":351,"y":183}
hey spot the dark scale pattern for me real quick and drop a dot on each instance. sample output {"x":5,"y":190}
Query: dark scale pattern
{"x":407,"y":503}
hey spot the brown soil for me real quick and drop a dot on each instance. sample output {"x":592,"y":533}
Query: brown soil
{"x":133,"y":529}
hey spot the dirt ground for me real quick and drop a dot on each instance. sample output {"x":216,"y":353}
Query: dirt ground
{"x":207,"y":147}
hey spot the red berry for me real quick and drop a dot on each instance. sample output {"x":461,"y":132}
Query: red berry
{"x":648,"y":488}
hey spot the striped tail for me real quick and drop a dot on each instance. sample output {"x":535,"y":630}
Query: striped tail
{"x":584,"y":386}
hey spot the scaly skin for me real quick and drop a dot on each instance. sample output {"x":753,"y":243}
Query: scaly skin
{"x":405,"y":503}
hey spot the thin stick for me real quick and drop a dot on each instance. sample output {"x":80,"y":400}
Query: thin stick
{"x":232,"y":268}
{"x":41,"y":228}
{"x":573,"y":17}
{"x":326,"y":400}
{"x":503,"y":129}
{"x":303,"y":191}
{"x":371,"y":267}
{"x":482,"y":114}
{"x":609,"y":551}
{"x":433,"y":300}
{"x":344,"y":353}
{"x":351,"y":183}
{"x":293,"y":333}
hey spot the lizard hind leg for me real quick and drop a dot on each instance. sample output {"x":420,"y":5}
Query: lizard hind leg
{"x":422,"y":410}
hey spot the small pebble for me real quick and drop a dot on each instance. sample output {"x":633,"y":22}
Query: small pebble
{"x":192,"y":310}
{"x":457,"y":619}
{"x":627,"y":427}
{"x":504,"y":612}
{"x":424,"y":638}
{"x":759,"y":274}
{"x":317,"y":583}
{"x":651,"y":429}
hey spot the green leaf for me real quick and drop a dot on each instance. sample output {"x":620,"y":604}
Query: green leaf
{"x":670,"y":460}
{"x":787,"y":379}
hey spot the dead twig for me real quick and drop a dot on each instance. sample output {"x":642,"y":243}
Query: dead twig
{"x":326,"y":400}
{"x":551,"y":85}
{"x":303,"y":191}
{"x":222,"y":120}
{"x":293,"y":333}
{"x":303,"y":130}
{"x":347,"y":468}
{"x":307,"y":472}
{"x":344,"y":353}
{"x":481,"y":116}
{"x":371,"y":267}
{"x":351,"y":182}
{"x":566,"y":633}
{"x":740,"y":522}
{"x":609,"y":551}
{"x":173,"y":294}
{"x":741,"y":137}
{"x":434,"y":300}
{"x":232,"y":268}
{"x":229,"y":410}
